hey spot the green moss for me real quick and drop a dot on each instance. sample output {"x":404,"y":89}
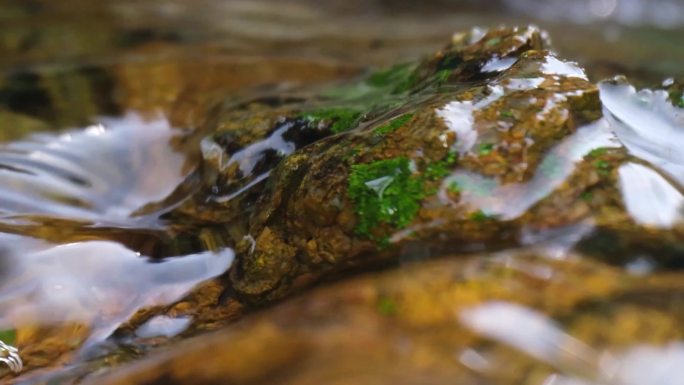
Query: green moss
{"x":384,"y":192}
{"x":381,"y":89}
{"x":442,"y":168}
{"x":386,"y":306}
{"x":388,"y":192}
{"x":677,"y":97}
{"x":595,"y":153}
{"x":399,"y":78}
{"x":586,"y":196}
{"x":506,"y":114}
{"x":602,"y":166}
{"x":340,"y":119}
{"x":485,"y":148}
{"x":480,"y":216}
{"x":454,"y":187}
{"x":492,"y":42}
{"x":442,"y":76}
{"x":8,"y":336}
{"x":393,"y":125}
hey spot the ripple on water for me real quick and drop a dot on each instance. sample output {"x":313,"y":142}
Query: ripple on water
{"x":581,"y":364}
{"x":652,"y":129}
{"x":100,"y":173}
{"x":97,"y":283}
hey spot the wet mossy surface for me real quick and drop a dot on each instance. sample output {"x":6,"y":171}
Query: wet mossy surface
{"x":444,"y":163}
{"x":416,"y":154}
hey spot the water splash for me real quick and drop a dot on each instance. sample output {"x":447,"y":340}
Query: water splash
{"x":163,"y":326}
{"x":647,"y":124}
{"x":97,"y":283}
{"x":101,"y":173}
{"x":650,"y":198}
{"x":652,"y":129}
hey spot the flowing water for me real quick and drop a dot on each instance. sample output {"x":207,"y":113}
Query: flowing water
{"x":105,"y":112}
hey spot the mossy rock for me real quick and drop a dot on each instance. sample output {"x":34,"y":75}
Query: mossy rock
{"x":488,"y":143}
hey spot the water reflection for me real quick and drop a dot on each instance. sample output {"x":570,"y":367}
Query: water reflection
{"x":540,"y":337}
{"x":535,"y":334}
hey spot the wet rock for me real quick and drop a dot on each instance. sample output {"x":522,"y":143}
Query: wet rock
{"x":510,"y":318}
{"x":491,"y":143}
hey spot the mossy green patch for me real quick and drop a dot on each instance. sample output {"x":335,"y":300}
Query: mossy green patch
{"x":602,"y":167}
{"x":389,"y":192}
{"x":454,"y":187}
{"x":602,"y":164}
{"x":485,"y":149}
{"x":386,"y":306}
{"x":506,"y":114}
{"x":8,"y":336}
{"x":586,"y":196}
{"x":397,"y":79}
{"x":384,"y":192}
{"x":442,"y":76}
{"x":340,"y":119}
{"x":442,"y":168}
{"x":595,"y":153}
{"x":481,"y":216}
{"x":393,"y":125}
{"x":492,"y":42}
{"x":677,"y":96}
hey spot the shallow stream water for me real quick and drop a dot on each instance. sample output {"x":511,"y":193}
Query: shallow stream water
{"x":104,"y":107}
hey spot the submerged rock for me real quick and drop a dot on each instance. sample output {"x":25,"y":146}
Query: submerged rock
{"x":489,"y":146}
{"x":491,"y":143}
{"x":510,"y":318}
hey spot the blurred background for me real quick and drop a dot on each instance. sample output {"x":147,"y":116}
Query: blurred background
{"x":113,"y":55}
{"x":635,"y":33}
